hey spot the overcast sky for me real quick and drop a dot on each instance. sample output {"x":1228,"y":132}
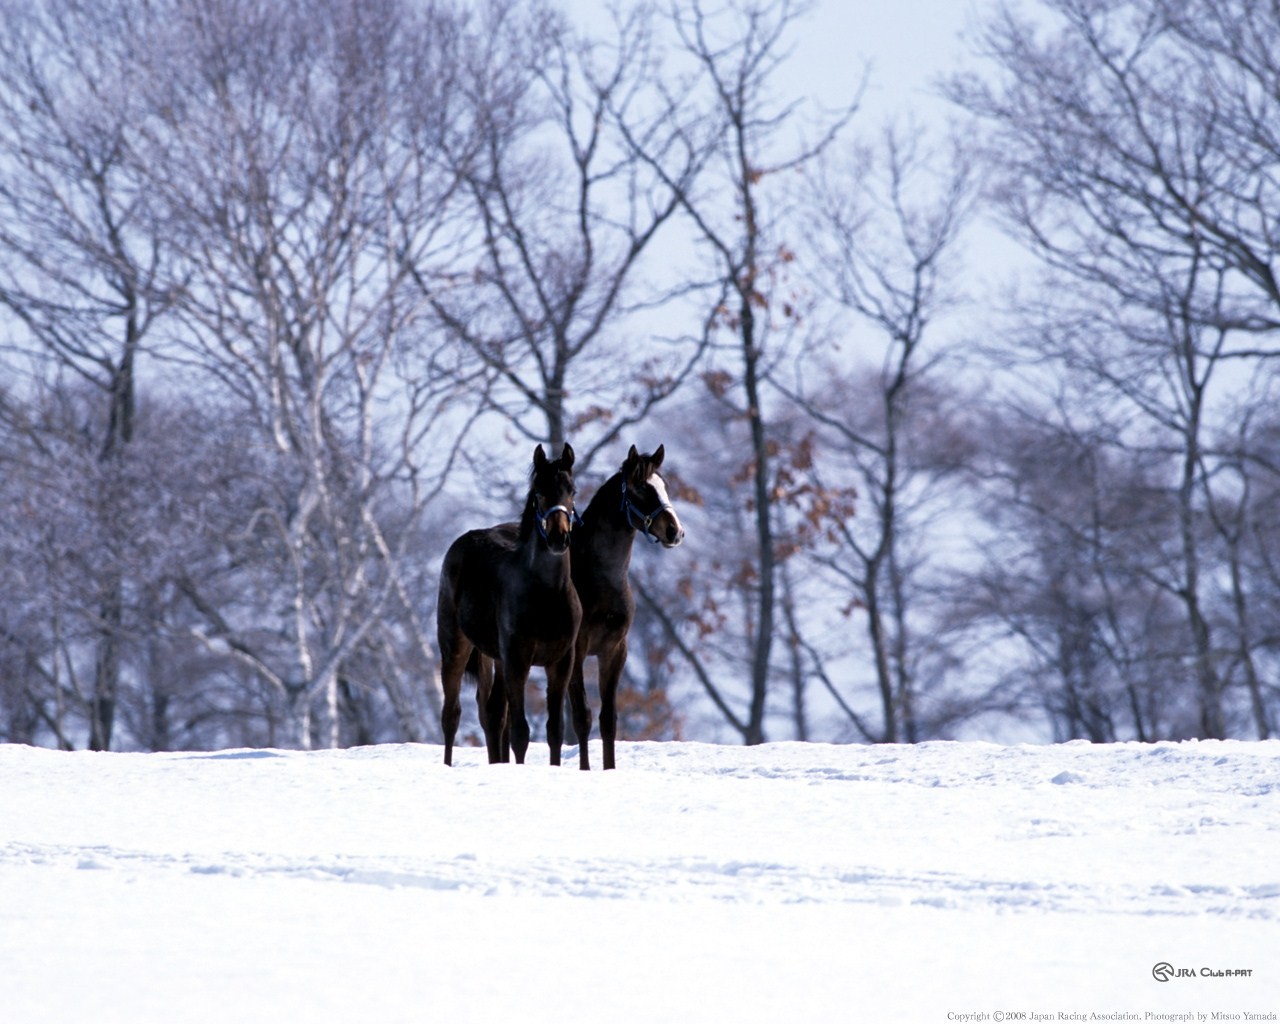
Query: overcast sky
{"x":907,"y":43}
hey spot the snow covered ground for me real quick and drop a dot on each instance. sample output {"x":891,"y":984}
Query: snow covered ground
{"x":696,"y":883}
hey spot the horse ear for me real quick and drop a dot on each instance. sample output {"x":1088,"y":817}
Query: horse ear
{"x":539,"y":457}
{"x":633,"y":454}
{"x":566,"y":456}
{"x":656,"y":458}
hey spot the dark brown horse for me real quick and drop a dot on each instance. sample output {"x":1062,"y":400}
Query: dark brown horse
{"x":633,"y":500}
{"x":508,"y":597}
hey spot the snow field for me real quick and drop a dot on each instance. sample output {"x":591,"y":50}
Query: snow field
{"x":783,"y":882}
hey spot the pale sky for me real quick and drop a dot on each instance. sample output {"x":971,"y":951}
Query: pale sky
{"x":908,"y":43}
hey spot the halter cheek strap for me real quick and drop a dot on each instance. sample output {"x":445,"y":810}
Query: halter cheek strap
{"x":645,"y":521}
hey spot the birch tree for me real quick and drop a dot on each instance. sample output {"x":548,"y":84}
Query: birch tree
{"x":300,"y":162}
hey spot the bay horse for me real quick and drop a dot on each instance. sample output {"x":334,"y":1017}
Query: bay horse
{"x":633,"y":500}
{"x":508,"y":598}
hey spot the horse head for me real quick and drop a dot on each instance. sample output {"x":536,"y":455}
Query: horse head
{"x":645,"y":501}
{"x":551,"y":493}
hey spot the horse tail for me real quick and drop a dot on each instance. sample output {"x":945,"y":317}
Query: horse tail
{"x":483,"y":671}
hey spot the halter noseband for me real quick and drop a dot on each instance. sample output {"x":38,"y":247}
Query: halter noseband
{"x":541,"y":520}
{"x":645,"y":521}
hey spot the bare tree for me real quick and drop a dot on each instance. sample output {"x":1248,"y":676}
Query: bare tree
{"x":889,"y":435}
{"x":1242,"y":511}
{"x":74,"y":523}
{"x":85,"y":270}
{"x":1074,"y":574}
{"x":565,"y":216}
{"x":1130,"y":151}
{"x":735,"y":218}
{"x":306,"y":192}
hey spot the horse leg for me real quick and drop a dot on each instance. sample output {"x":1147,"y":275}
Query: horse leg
{"x":581,"y":710}
{"x":515,"y":669}
{"x":500,"y":739}
{"x":610,"y":664}
{"x":454,"y":652}
{"x":557,"y":678}
{"x":484,"y":698}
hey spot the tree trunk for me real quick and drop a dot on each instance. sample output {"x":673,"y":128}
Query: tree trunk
{"x":106,"y":669}
{"x":119,"y":433}
{"x":762,"y":642}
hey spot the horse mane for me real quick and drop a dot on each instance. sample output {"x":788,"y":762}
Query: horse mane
{"x":528,"y":517}
{"x":606,"y":499}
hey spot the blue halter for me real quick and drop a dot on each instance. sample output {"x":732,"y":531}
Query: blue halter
{"x":541,"y":520}
{"x":645,"y":521}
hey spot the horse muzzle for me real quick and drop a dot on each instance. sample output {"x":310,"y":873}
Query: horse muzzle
{"x":670,"y":534}
{"x":556,"y":528}
{"x":663,"y":527}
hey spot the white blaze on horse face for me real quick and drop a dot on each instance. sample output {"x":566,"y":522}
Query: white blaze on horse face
{"x":660,"y":488}
{"x":664,"y":504}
